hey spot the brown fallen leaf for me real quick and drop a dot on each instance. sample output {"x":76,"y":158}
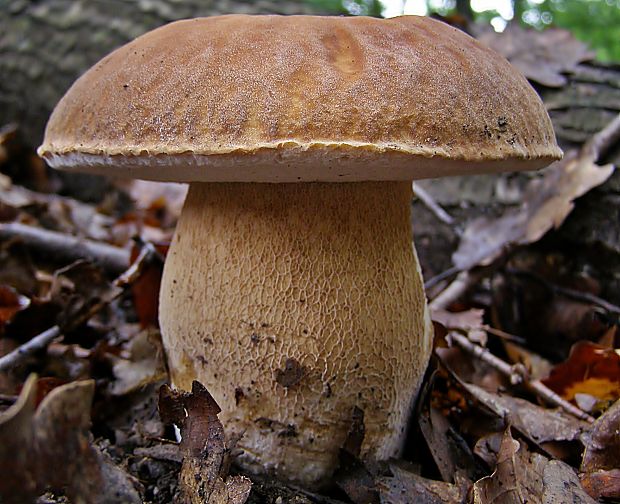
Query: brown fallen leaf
{"x":539,"y":424}
{"x":542,"y":56}
{"x":352,"y":475}
{"x":449,"y":450}
{"x":590,"y":369}
{"x":49,"y":447}
{"x":145,"y":364}
{"x":602,"y":484}
{"x":523,"y":476}
{"x":10,"y":303}
{"x":77,"y":288}
{"x":145,"y":290}
{"x":405,"y":487}
{"x":603,"y":442}
{"x":206,"y":454}
{"x":17,"y":269}
{"x":547,"y":202}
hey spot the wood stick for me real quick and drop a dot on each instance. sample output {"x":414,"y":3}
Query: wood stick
{"x":432,"y":205}
{"x":67,"y":247}
{"x":517,"y":377}
{"x":43,"y":339}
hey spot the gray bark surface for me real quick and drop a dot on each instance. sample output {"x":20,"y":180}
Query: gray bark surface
{"x":46,"y":44}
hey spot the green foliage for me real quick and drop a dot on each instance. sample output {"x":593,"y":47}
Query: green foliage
{"x":596,"y":22}
{"x":350,"y":7}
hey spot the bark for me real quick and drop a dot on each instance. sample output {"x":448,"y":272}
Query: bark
{"x":45,"y":45}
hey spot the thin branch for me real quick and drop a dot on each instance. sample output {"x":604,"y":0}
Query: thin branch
{"x":517,"y":376}
{"x":430,"y":283}
{"x":67,"y":247}
{"x":459,"y":286}
{"x":43,"y":339}
{"x":432,"y":205}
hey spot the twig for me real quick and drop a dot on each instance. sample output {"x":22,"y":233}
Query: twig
{"x":69,"y":247}
{"x":459,"y":286}
{"x":43,"y":339}
{"x":566,"y":292}
{"x":430,"y":283}
{"x":517,"y":376}
{"x":431,"y":204}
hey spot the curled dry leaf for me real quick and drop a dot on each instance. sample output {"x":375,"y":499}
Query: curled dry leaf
{"x":543,"y":56}
{"x":547,"y":202}
{"x":206,"y":455}
{"x":590,"y":369}
{"x":49,"y":447}
{"x":522,"y":476}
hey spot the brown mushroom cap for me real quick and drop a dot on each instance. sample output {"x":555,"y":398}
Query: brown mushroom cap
{"x":300,"y":98}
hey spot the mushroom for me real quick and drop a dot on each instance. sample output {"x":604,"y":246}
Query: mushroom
{"x":292,"y":290}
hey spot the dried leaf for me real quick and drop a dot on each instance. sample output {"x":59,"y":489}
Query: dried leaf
{"x":405,"y":487}
{"x":145,"y":364}
{"x":603,"y":442}
{"x":145,"y":290}
{"x":352,"y":476}
{"x":145,"y":192}
{"x":10,"y":303}
{"x":78,"y":288}
{"x":206,"y":456}
{"x":542,"y":56}
{"x":521,"y":476}
{"x":50,"y":448}
{"x":602,"y":484}
{"x":548,"y":201}
{"x":449,"y":450}
{"x":590,"y":369}
{"x":17,"y":269}
{"x":538,"y":424}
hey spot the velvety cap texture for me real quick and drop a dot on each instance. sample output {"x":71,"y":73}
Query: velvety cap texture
{"x":300,"y":98}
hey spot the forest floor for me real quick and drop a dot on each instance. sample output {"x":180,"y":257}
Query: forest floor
{"x":519,"y":404}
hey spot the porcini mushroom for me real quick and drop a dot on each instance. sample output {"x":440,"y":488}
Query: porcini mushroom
{"x":292,"y":290}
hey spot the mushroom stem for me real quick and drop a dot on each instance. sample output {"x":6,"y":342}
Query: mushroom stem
{"x":292,"y":304}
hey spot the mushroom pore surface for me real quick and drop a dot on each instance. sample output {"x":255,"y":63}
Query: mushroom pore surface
{"x":293,"y":304}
